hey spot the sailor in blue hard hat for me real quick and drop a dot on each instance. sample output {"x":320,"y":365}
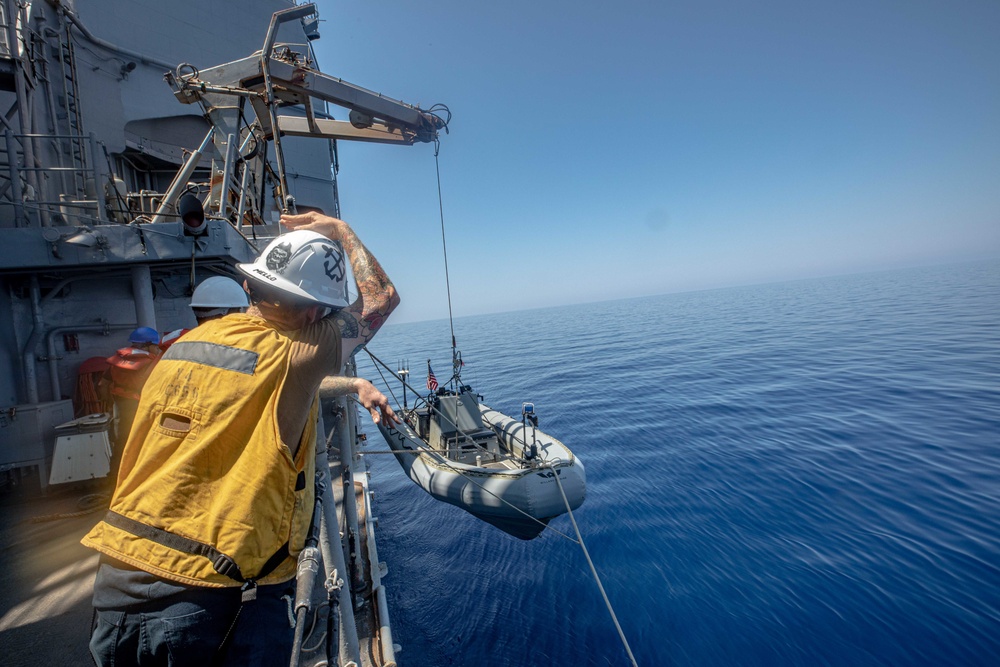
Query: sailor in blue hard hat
{"x":145,"y":335}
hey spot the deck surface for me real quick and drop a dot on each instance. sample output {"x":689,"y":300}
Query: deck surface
{"x":46,"y":575}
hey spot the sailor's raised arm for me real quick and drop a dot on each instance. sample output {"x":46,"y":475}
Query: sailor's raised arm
{"x":377,"y":296}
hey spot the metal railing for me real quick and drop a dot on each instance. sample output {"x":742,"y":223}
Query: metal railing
{"x":93,"y":210}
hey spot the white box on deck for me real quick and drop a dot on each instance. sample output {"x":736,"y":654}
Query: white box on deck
{"x":82,"y":451}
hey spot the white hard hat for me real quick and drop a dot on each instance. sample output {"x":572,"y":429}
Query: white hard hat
{"x":304,"y":264}
{"x":219,"y":292}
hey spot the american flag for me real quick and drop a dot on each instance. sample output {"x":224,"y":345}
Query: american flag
{"x":432,"y":381}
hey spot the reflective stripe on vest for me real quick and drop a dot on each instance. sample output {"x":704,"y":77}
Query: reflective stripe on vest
{"x":224,"y":357}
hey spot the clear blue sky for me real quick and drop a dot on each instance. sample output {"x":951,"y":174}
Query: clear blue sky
{"x":619,"y":149}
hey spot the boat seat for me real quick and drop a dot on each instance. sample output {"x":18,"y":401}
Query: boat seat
{"x":459,"y":413}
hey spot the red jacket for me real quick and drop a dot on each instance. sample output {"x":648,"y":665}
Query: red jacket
{"x":129,"y":368}
{"x":169,"y":338}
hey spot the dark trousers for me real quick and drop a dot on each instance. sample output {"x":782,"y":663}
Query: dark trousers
{"x":189,"y":628}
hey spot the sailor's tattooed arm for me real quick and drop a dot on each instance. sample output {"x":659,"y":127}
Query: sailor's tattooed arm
{"x":333,"y":386}
{"x":349,"y":332}
{"x":377,"y":295}
{"x":368,"y":396}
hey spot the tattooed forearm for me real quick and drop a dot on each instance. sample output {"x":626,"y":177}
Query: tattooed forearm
{"x":337,"y":385}
{"x":368,"y":396}
{"x":377,"y":295}
{"x":366,"y":268}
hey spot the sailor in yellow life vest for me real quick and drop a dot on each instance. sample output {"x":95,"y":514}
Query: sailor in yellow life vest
{"x":215,"y":493}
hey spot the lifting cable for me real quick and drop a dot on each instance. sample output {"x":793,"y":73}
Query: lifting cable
{"x":444,"y":246}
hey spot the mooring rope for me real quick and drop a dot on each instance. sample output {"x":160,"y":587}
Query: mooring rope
{"x":593,"y":570}
{"x":88,"y":504}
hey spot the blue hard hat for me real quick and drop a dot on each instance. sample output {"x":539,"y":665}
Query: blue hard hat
{"x":144,"y":335}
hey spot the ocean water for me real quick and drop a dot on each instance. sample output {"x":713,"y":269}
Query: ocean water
{"x":805,"y":473}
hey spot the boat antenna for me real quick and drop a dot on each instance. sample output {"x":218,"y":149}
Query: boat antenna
{"x":455,"y":356}
{"x":403,"y":370}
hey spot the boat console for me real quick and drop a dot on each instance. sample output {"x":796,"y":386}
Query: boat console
{"x":453,"y":424}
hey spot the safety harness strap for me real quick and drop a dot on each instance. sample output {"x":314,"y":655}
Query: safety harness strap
{"x":222,"y":563}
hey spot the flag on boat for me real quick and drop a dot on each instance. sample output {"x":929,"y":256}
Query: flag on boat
{"x":432,"y":381}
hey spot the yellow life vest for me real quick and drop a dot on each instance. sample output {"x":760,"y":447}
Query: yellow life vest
{"x":205,"y":464}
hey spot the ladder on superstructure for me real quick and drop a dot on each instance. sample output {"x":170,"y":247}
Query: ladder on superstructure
{"x":10,"y":152}
{"x":73,"y":128}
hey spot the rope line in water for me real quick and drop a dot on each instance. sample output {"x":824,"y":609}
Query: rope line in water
{"x":593,"y":571}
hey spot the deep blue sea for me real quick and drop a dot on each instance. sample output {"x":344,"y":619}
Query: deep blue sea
{"x":805,"y":473}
